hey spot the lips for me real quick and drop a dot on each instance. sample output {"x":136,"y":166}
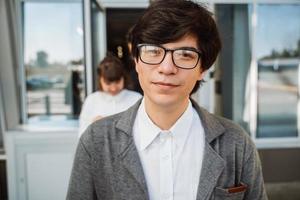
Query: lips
{"x":165,"y":85}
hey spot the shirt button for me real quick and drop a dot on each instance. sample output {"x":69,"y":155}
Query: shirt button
{"x":166,"y":157}
{"x":166,"y":196}
{"x":162,"y":140}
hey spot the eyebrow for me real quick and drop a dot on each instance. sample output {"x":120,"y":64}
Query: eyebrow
{"x":188,"y":48}
{"x":181,"y":48}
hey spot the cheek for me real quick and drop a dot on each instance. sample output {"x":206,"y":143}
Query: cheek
{"x":121,"y":85}
{"x":105,"y":88}
{"x":191,"y":79}
{"x":103,"y":85}
{"x":142,"y":69}
{"x":139,"y":71}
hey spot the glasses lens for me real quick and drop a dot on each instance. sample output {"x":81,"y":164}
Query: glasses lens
{"x":185,"y":58}
{"x":151,"y":54}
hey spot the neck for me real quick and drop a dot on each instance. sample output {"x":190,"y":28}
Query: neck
{"x":165,"y":116}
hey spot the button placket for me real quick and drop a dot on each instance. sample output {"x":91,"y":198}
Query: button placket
{"x":166,"y":166}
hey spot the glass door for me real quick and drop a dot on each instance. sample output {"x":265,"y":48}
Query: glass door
{"x":98,"y":33}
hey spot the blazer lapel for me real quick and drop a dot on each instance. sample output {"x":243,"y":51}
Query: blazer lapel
{"x":127,"y":150}
{"x":131,"y":161}
{"x":212,"y":167}
{"x":212,"y":164}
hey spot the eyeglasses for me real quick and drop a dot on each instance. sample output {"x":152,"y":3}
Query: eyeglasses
{"x":185,"y":57}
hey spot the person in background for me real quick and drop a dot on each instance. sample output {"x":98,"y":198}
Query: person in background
{"x":112,"y":97}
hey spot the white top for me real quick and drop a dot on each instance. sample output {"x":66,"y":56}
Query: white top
{"x":103,"y":104}
{"x":171,"y":159}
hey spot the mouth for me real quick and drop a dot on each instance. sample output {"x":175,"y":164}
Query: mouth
{"x":164,"y":85}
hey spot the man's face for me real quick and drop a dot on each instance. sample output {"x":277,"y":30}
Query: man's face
{"x":113,"y":88}
{"x":165,"y":84}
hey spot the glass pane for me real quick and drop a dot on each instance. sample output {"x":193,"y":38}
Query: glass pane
{"x":53,"y":58}
{"x":96,"y":40}
{"x":278,"y":51}
{"x":1,"y":136}
{"x":232,"y":67}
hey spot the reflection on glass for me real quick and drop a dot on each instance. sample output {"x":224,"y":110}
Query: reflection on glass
{"x":96,"y":41}
{"x":278,"y":50}
{"x":53,"y":58}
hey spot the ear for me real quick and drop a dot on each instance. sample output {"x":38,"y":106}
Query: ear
{"x":202,"y":74}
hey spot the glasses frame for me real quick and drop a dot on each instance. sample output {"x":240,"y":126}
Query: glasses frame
{"x":139,"y":46}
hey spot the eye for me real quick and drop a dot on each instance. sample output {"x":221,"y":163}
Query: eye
{"x":183,"y":54}
{"x":152,"y":50}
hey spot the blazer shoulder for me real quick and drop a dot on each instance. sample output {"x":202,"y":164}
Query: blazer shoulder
{"x":110,"y":130}
{"x":102,"y":127}
{"x":231,"y":126}
{"x":235,"y":135}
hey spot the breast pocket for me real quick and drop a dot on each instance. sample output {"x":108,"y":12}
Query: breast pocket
{"x":223,"y":194}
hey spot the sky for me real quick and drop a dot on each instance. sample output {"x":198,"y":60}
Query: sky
{"x":278,"y":27}
{"x":55,"y":28}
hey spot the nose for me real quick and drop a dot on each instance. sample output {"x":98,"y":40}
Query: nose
{"x":167,"y":66}
{"x":113,"y":89}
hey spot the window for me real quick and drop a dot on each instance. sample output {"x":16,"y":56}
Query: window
{"x":53,"y":59}
{"x":260,"y":70}
{"x":278,"y":58}
{"x":98,"y":39}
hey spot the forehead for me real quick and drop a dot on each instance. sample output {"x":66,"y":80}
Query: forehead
{"x":185,"y":41}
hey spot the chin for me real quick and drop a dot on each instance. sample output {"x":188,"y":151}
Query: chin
{"x":114,"y":94}
{"x":164,"y":100}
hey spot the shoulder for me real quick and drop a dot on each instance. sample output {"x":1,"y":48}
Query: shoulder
{"x":102,"y":127}
{"x":110,"y":132}
{"x":232,"y":129}
{"x":230,"y":137}
{"x":217,"y":126}
{"x":93,"y":96}
{"x":89,"y":103}
{"x":100,"y":134}
{"x":236,"y":139}
{"x":132,"y":94}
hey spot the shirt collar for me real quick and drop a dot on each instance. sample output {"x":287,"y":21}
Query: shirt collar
{"x":148,"y":131}
{"x":181,"y":129}
{"x":116,"y":97}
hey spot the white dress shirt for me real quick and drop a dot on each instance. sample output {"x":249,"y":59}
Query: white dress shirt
{"x":103,"y":104}
{"x":171,"y":159}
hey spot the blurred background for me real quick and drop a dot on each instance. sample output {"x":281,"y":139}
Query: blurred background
{"x":49,"y":51}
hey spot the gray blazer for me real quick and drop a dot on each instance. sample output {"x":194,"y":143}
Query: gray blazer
{"x":107,"y":165}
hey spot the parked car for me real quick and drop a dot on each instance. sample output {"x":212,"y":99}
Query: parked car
{"x":38,"y":82}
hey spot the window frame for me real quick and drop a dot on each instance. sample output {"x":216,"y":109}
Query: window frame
{"x":20,"y":46}
{"x":274,"y":142}
{"x":2,"y":126}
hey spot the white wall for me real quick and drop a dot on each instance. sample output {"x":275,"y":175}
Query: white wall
{"x":39,"y":164}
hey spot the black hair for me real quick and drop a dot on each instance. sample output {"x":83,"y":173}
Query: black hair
{"x":166,"y":21}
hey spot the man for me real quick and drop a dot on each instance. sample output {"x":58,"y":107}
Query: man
{"x":166,"y":146}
